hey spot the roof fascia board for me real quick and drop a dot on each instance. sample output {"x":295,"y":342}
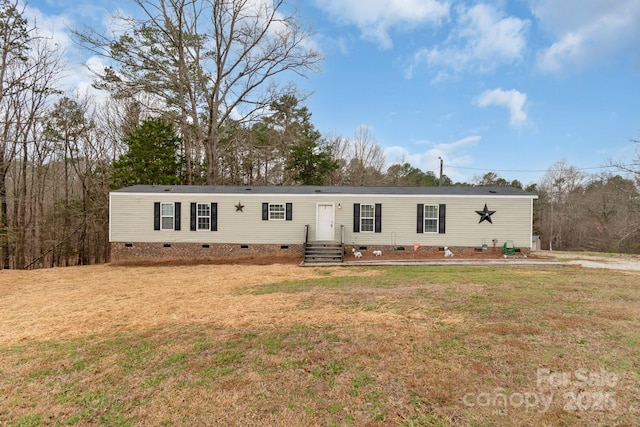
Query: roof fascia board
{"x":326,"y":195}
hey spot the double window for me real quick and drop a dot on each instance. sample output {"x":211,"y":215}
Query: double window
{"x":167,"y":216}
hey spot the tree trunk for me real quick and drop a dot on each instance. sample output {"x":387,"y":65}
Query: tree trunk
{"x":4,"y":221}
{"x":22,"y":211}
{"x":211,"y":151}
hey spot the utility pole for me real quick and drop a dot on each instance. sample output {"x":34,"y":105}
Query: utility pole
{"x":551,"y":234}
{"x":440,"y":180}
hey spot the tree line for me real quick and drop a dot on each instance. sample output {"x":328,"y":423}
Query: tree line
{"x":195,"y":95}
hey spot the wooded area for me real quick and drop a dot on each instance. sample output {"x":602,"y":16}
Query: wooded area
{"x":197,"y":94}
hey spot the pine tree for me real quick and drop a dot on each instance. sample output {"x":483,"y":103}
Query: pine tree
{"x":153,"y":156}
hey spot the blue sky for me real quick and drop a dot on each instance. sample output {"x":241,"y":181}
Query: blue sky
{"x":510,"y":86}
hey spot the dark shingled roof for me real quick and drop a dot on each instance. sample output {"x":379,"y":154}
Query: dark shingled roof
{"x":315,"y":189}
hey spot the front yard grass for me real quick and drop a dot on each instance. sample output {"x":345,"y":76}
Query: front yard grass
{"x":407,"y":346}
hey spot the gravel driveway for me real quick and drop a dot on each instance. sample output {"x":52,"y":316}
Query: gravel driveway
{"x":613,"y":262}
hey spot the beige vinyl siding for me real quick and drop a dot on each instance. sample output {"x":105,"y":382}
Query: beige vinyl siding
{"x":132,"y":219}
{"x":511,"y":221}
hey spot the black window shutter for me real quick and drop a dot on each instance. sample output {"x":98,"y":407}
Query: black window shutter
{"x":420,"y":223}
{"x":177,"y":216}
{"x":356,"y":217}
{"x":265,"y":211}
{"x":214,"y":217}
{"x":156,"y":216}
{"x":442,"y":215}
{"x":193,"y":217}
{"x":289,"y":212}
{"x":378,"y":218}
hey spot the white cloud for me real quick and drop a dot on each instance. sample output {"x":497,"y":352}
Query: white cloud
{"x":51,"y":27}
{"x":513,"y":100}
{"x":454,"y":153}
{"x":375,"y":18}
{"x":586,"y":31}
{"x":483,"y":39}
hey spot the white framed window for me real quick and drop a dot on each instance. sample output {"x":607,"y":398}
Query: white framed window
{"x":367,"y":216}
{"x":277,"y":211}
{"x":167,"y":216}
{"x":430,"y":218}
{"x":203,"y":216}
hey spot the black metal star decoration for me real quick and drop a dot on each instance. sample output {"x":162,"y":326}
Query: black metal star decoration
{"x":485,"y":214}
{"x":239,"y":207}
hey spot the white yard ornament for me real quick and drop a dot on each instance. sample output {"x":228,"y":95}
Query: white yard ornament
{"x":447,"y":252}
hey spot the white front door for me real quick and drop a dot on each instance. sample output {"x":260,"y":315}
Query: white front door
{"x":324,"y":222}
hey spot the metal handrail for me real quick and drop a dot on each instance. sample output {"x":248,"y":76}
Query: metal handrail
{"x":306,"y":233}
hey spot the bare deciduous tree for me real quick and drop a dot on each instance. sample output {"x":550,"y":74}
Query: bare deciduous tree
{"x":15,"y":37}
{"x":562,"y":186}
{"x":211,"y":60}
{"x":29,"y":71}
{"x":365,"y":161}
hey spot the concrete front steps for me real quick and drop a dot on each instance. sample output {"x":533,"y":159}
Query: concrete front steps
{"x":322,"y":253}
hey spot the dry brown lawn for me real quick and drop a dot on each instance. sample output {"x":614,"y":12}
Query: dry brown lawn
{"x":67,"y":303}
{"x":286,"y":345}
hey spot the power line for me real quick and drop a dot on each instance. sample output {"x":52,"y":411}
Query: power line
{"x":533,"y":170}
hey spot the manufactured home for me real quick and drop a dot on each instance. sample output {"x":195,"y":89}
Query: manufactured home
{"x":162,"y":223}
